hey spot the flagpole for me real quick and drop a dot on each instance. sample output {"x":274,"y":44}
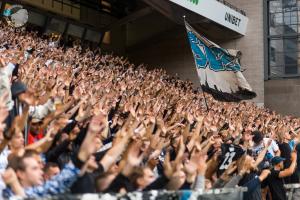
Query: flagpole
{"x":207,"y":108}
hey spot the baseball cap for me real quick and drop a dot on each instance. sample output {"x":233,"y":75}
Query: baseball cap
{"x":18,"y":88}
{"x":277,"y":159}
{"x":35,"y":120}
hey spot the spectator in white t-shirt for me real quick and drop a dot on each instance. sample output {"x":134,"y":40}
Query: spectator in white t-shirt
{"x":260,"y":142}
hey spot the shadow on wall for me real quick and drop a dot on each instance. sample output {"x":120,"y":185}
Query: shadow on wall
{"x":169,"y":51}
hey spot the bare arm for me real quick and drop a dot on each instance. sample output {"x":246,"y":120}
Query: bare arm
{"x":111,"y":156}
{"x":289,"y":171}
{"x":262,"y":154}
{"x":56,"y":114}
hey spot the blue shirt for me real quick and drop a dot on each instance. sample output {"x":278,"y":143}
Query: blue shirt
{"x":56,"y":185}
{"x":292,"y":144}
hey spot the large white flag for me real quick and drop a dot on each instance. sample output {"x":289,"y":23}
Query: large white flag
{"x":219,"y":69}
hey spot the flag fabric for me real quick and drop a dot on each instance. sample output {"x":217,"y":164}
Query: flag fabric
{"x":219,"y":69}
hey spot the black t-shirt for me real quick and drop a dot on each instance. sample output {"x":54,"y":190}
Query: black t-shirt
{"x":298,"y":157}
{"x":285,"y":152}
{"x":276,"y":186}
{"x":230,"y":153}
{"x":86,"y":183}
{"x":120,"y":182}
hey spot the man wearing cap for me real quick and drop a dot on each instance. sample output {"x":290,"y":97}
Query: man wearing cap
{"x":275,"y":179}
{"x":20,"y":93}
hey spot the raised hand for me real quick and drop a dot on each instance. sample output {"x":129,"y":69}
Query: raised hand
{"x":84,"y":112}
{"x":135,"y":156}
{"x":180,"y":151}
{"x":88,"y":146}
{"x":52,"y":130}
{"x":9,"y":176}
{"x":199,"y":118}
{"x":190,"y":118}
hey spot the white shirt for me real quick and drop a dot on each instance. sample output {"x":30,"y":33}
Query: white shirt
{"x":272,"y":148}
{"x":3,"y":159}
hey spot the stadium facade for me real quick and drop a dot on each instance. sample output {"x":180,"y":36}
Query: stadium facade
{"x":152,"y":32}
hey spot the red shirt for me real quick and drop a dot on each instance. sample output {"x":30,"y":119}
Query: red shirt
{"x":32,"y":138}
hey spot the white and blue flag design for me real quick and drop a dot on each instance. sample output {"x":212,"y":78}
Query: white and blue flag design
{"x":219,"y":69}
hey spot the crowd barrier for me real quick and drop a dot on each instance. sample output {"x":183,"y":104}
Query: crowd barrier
{"x":215,"y":194}
{"x":293,"y":191}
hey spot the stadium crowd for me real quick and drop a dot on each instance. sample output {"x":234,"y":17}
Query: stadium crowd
{"x":76,"y":121}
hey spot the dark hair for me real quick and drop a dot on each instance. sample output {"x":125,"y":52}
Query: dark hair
{"x":13,"y":160}
{"x":257,"y":136}
{"x":50,"y":165}
{"x":17,"y":163}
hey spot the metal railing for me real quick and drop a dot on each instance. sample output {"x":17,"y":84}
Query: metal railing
{"x":222,"y":193}
{"x":292,"y":191}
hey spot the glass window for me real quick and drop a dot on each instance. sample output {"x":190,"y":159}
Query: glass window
{"x":93,"y":36}
{"x":275,"y":6}
{"x":76,"y":31}
{"x":56,"y":25}
{"x":272,"y":54}
{"x":36,"y":18}
{"x":289,"y":3}
{"x":284,"y":28}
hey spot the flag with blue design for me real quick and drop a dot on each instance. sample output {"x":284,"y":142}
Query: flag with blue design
{"x":219,"y":69}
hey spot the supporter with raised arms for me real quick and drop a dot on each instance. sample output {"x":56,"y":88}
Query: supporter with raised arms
{"x":110,"y":126}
